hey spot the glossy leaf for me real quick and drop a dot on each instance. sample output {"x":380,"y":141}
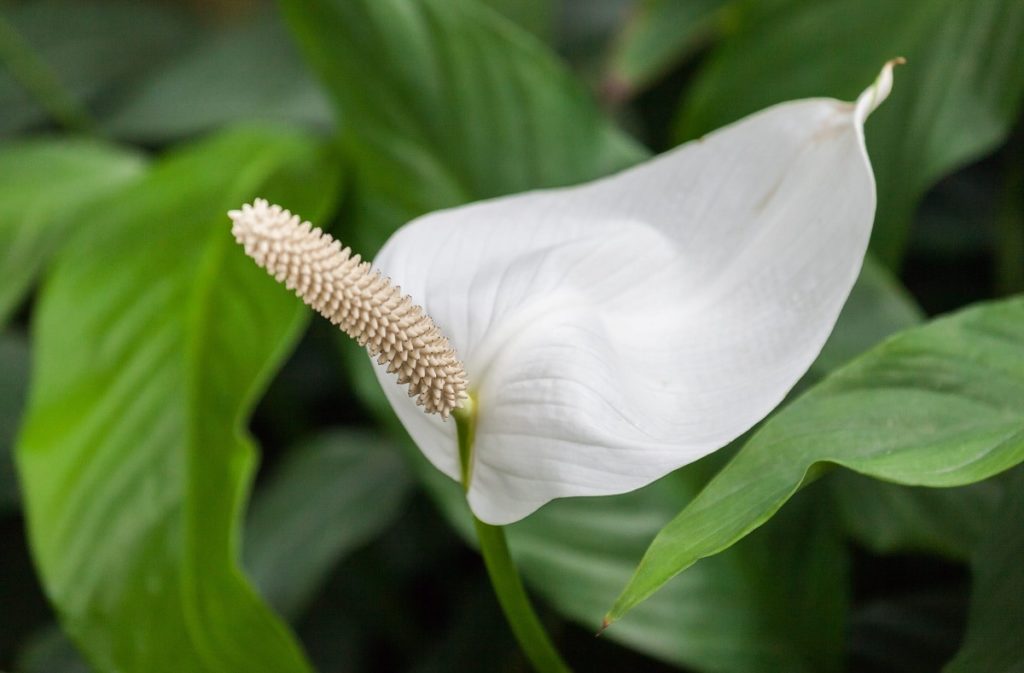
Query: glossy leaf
{"x":250,"y":71}
{"x":939,"y":405}
{"x":153,"y":336}
{"x":996,"y":621}
{"x":44,"y":186}
{"x":332,"y":494}
{"x":463,"y":105}
{"x":955,"y":100}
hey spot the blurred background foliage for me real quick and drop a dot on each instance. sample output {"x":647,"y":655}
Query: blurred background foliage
{"x":128,"y":129}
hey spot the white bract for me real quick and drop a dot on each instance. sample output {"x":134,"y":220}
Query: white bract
{"x":615,"y":331}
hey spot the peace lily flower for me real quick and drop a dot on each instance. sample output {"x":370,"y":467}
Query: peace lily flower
{"x":614,"y":331}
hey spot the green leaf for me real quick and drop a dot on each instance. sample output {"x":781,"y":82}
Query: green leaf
{"x":13,"y":384}
{"x":658,"y":35}
{"x":94,"y":49}
{"x":533,"y":16}
{"x":890,"y":518}
{"x":332,"y":495}
{"x":153,"y":337}
{"x":993,"y":643}
{"x":249,"y":71}
{"x":45,"y":184}
{"x":885,"y":517}
{"x":877,"y":307}
{"x":955,"y":100}
{"x":938,"y":405}
{"x":462,"y":104}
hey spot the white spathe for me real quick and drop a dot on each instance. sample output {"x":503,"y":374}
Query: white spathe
{"x":615,"y":331}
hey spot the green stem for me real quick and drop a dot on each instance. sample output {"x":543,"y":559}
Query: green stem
{"x":42,"y":83}
{"x":514,"y":602}
{"x":505,"y":580}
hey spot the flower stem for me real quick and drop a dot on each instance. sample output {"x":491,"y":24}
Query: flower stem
{"x":514,"y":602}
{"x":508,"y":587}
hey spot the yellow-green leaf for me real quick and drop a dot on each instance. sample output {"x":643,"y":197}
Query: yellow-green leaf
{"x":153,"y":336}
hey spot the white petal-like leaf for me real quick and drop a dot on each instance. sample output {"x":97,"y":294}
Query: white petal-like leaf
{"x":615,"y":331}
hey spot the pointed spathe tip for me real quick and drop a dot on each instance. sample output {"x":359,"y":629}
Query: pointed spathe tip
{"x":879,"y":90}
{"x":605,"y":623}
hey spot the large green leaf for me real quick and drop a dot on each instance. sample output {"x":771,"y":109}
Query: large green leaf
{"x":658,"y":36}
{"x":94,"y":49}
{"x":993,"y":643}
{"x":249,"y":71}
{"x":333,"y":494}
{"x":462,"y":104}
{"x":956,"y":99}
{"x":44,"y":185}
{"x":938,"y":405}
{"x":153,"y":336}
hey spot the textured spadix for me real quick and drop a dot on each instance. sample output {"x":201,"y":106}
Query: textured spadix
{"x":356,"y":298}
{"x":620,"y":329}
